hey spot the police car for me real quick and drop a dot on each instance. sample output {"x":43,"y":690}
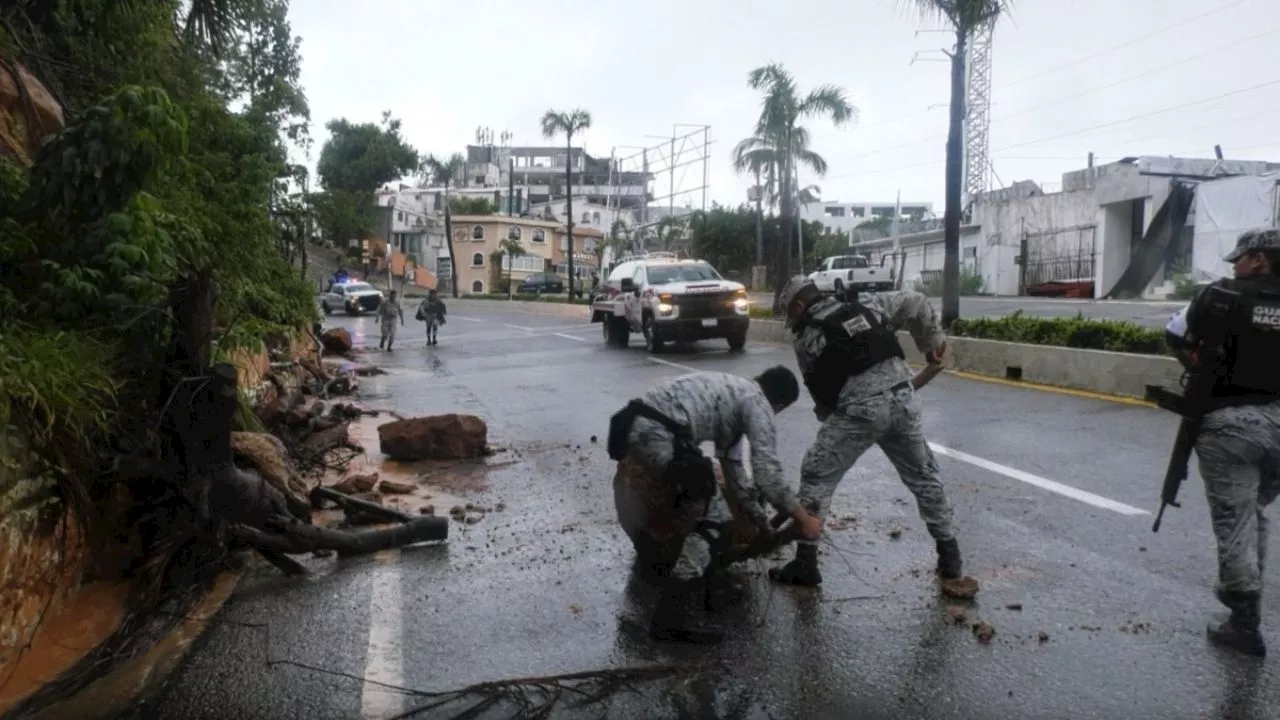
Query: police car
{"x":667,"y":299}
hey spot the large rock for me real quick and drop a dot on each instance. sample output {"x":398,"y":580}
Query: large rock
{"x":266,"y":454}
{"x":28,"y":112}
{"x":647,"y":511}
{"x":441,"y":437}
{"x":336,"y":341}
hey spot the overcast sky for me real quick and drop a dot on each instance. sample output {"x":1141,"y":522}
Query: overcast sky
{"x":1068,"y":76}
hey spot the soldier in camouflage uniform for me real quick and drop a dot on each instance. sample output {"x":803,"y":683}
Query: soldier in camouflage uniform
{"x":1239,"y":441}
{"x":388,"y":312}
{"x":722,"y":409}
{"x":864,"y":394}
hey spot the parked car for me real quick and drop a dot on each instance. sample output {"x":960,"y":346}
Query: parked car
{"x":542,"y":283}
{"x":667,"y":299}
{"x":851,"y":272}
{"x":353,"y":298}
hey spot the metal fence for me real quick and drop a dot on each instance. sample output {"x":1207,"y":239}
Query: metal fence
{"x":1067,"y":255}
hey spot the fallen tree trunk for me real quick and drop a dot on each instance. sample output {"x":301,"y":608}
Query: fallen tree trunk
{"x":356,"y":505}
{"x":292,"y":538}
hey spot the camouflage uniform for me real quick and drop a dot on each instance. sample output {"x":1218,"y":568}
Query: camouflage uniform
{"x":1238,"y":449}
{"x":722,"y":409}
{"x":876,"y":407}
{"x":388,"y":312}
{"x":432,"y":310}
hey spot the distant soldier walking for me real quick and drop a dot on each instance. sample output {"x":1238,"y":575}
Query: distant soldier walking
{"x":388,"y":312}
{"x":432,"y":312}
{"x":864,"y":394}
{"x":1239,"y":440}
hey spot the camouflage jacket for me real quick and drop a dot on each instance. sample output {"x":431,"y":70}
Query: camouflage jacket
{"x":905,"y":308}
{"x":722,"y":409}
{"x":389,"y":309}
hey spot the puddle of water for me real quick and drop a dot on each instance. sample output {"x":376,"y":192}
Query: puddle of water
{"x":66,"y":635}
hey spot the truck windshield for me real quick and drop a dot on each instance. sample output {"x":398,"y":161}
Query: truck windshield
{"x":358,"y":287}
{"x":663,"y":274}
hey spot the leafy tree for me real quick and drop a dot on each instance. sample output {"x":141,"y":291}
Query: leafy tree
{"x":442,"y":172}
{"x":355,"y":161}
{"x":472,"y":206}
{"x":568,"y":124}
{"x":965,"y":17}
{"x":780,"y":143}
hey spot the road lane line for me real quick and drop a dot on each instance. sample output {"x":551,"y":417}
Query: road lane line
{"x":1043,"y":483}
{"x":1013,"y":473}
{"x":570,"y":337}
{"x":518,"y":327}
{"x":465,"y":318}
{"x":384,"y":656}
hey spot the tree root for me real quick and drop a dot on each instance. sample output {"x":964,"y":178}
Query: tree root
{"x":537,"y":697}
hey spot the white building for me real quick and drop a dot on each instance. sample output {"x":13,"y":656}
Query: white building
{"x":1124,"y":229}
{"x":843,"y":217}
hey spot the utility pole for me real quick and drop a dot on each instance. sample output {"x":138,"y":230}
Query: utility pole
{"x":511,"y":186}
{"x":706,"y":164}
{"x":671,"y":161}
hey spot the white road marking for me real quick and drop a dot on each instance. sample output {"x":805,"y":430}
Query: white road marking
{"x":465,"y":319}
{"x":384,"y":656}
{"x":1043,"y":483}
{"x":518,"y":327}
{"x":570,"y":337}
{"x":676,"y":365}
{"x":1013,"y":473}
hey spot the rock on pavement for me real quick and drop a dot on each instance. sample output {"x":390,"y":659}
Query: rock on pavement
{"x":336,"y":341}
{"x":443,"y":437}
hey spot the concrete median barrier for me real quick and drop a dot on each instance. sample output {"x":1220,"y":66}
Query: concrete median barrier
{"x":1110,"y":373}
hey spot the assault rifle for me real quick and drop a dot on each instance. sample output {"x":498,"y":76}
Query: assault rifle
{"x":1212,"y":329}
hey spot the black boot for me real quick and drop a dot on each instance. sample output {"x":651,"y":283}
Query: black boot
{"x":674,"y":621}
{"x":1240,"y":631}
{"x":949,"y":566}
{"x":721,"y":591}
{"x":381,"y":343}
{"x":803,"y":570}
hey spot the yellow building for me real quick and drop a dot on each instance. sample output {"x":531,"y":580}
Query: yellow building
{"x":477,"y":237}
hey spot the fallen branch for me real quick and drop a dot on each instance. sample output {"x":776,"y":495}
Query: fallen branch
{"x":294,"y":538}
{"x":536,"y":697}
{"x":353,"y":505}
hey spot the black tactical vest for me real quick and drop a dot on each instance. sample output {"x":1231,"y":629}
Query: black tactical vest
{"x":1253,"y":348}
{"x":856,"y":341}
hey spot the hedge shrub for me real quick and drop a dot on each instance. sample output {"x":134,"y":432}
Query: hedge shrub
{"x":1076,"y":332}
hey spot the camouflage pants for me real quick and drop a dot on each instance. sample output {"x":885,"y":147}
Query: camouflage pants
{"x":654,"y":449}
{"x":388,"y":330}
{"x":893,"y":421}
{"x":1239,"y":452}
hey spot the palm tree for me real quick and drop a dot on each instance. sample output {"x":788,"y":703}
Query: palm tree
{"x":511,"y":249}
{"x":780,"y":143}
{"x":964,"y":16}
{"x":443,"y":171}
{"x":567,"y":124}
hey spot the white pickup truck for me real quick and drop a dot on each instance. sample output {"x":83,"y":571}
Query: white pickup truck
{"x":851,"y":272}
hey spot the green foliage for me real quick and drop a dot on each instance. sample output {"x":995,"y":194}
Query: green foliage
{"x":971,"y":283}
{"x":1184,"y":287}
{"x":726,"y":237}
{"x":472,"y":206}
{"x":364,"y":157}
{"x":1077,"y":332}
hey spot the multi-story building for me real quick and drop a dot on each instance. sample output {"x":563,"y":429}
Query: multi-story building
{"x":540,"y":173}
{"x":409,"y":239}
{"x":844,"y":217}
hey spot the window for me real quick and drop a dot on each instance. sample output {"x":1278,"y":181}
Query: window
{"x":586,"y":217}
{"x":477,"y":232}
{"x":444,"y":268}
{"x":513,"y":232}
{"x":623,"y":270}
{"x":477,"y":260}
{"x":595,"y":218}
{"x":527,"y":263}
{"x":663,"y":274}
{"x":399,"y":217}
{"x":539,"y":236}
{"x":477,"y":287}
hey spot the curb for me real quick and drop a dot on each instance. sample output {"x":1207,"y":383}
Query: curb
{"x":1127,"y":375}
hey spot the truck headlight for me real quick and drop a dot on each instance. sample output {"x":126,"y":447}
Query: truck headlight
{"x":740,"y":305}
{"x":665,"y":308}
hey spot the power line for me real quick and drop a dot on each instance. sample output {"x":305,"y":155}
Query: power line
{"x":1131,"y":78}
{"x":1142,"y":115}
{"x":1122,"y":45}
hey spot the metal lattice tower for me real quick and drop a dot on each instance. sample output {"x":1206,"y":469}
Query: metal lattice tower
{"x":978,"y":111}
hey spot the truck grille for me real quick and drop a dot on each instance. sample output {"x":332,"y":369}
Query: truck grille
{"x":706,"y":306}
{"x":369,"y":302}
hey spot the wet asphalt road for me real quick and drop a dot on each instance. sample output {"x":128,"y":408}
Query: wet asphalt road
{"x":544,"y":587}
{"x":1148,"y":314}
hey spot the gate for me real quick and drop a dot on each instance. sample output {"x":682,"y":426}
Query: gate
{"x":1064,"y":255}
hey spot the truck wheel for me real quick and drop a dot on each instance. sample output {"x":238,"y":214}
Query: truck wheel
{"x":325,"y":307}
{"x":737,"y":342}
{"x":652,"y":336}
{"x":616,"y":332}
{"x":837,"y":287}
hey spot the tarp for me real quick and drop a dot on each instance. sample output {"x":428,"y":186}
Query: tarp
{"x":1157,"y":243}
{"x":1224,"y":209}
